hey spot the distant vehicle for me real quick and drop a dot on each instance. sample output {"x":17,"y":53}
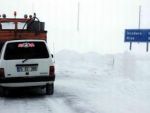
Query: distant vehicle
{"x":25,"y":60}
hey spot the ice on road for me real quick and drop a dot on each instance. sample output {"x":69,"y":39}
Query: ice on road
{"x":90,"y":83}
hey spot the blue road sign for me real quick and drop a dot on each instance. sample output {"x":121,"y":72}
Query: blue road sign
{"x":137,"y":35}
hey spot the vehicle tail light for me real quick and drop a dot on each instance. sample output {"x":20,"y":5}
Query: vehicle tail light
{"x":51,"y":71}
{"x":2,"y":75}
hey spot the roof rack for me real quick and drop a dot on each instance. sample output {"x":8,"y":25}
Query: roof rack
{"x":32,"y":28}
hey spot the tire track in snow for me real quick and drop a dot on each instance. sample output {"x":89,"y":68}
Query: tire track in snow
{"x":64,"y":102}
{"x":67,"y":91}
{"x":57,"y":103}
{"x":24,"y":106}
{"x":58,"y":106}
{"x":24,"y":103}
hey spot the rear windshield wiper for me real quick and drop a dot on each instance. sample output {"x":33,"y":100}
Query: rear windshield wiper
{"x":25,"y":60}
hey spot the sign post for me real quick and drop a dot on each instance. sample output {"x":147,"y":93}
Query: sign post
{"x":130,"y":45}
{"x":147,"y":46}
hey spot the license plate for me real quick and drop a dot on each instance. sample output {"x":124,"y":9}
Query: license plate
{"x":26,"y":68}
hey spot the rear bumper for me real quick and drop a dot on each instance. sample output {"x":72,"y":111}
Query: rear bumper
{"x":27,"y":79}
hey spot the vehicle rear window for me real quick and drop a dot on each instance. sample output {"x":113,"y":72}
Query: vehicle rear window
{"x":25,"y":50}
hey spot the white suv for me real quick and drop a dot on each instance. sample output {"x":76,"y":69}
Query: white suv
{"x":26,"y":63}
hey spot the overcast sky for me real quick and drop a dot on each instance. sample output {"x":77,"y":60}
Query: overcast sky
{"x":101,"y":22}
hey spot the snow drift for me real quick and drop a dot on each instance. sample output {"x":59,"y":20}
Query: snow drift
{"x":105,"y":83}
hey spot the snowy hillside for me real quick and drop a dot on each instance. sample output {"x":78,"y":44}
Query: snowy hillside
{"x":92,"y":83}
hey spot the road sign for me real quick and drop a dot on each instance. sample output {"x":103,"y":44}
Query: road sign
{"x":137,"y":35}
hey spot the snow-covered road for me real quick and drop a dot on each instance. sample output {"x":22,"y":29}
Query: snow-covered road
{"x":89,"y":83}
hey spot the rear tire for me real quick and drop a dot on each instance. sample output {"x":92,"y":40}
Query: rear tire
{"x":49,"y":89}
{"x":4,"y":92}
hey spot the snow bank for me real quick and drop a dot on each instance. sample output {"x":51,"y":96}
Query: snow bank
{"x":126,"y":65}
{"x":104,"y":83}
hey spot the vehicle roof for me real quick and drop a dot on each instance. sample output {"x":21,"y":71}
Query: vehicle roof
{"x":28,"y":40}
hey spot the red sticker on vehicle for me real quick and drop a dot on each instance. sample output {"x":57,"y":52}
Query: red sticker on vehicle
{"x":26,"y":45}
